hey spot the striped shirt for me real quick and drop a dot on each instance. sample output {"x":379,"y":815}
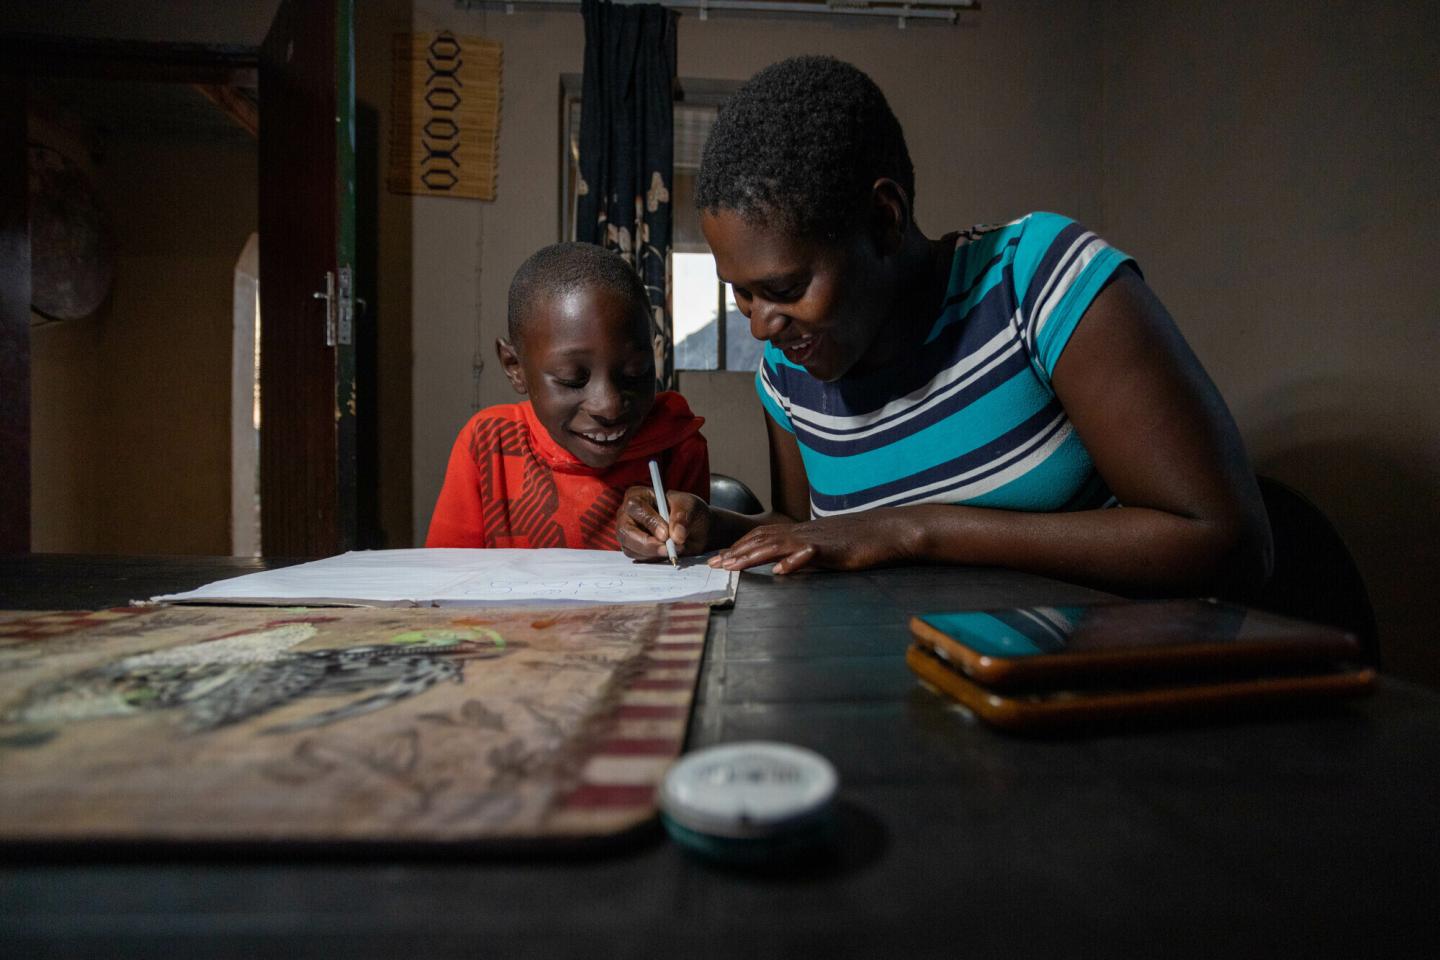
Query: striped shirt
{"x":973,"y":419}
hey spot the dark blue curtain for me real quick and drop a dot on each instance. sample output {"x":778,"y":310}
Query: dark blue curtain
{"x":627,"y":150}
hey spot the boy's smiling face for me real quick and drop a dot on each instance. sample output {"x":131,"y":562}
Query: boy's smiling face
{"x":584,"y":360}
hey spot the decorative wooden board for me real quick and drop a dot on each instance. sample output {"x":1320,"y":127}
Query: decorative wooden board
{"x":340,"y":725}
{"x":444,"y":115}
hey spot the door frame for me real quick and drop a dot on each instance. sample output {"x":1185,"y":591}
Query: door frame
{"x":308,"y":393}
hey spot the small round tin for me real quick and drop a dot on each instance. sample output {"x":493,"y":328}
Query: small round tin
{"x":748,"y":801}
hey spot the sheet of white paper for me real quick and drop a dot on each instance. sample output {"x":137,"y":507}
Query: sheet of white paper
{"x":474,"y":577}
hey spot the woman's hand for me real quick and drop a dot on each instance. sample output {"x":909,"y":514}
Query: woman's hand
{"x":641,"y":531}
{"x":846,"y":542}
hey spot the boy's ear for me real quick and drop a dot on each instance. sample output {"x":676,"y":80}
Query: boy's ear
{"x":889,"y":215}
{"x":510,"y":363}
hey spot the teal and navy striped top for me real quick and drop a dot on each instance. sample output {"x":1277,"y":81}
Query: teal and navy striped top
{"x":973,"y":420}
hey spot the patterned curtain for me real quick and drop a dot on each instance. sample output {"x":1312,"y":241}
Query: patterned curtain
{"x":627,"y":150}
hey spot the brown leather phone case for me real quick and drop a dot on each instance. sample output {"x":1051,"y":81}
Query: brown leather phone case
{"x":1033,"y":648}
{"x":1053,"y":710}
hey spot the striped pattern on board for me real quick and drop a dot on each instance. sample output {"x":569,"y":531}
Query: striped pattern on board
{"x":640,"y":733}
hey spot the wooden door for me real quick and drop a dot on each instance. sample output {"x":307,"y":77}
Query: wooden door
{"x":307,"y":258}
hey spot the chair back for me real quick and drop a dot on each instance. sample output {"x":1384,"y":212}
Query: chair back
{"x":1315,"y":577}
{"x":727,"y":493}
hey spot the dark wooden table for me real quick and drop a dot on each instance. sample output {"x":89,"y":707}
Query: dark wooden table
{"x":1313,"y":835}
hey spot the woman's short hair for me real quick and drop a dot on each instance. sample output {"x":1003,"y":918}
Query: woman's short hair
{"x":800,"y":145}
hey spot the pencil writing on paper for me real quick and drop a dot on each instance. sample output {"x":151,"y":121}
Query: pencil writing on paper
{"x":664,"y":511}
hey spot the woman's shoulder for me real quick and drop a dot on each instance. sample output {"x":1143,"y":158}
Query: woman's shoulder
{"x":1036,"y":246}
{"x":1037,"y":224}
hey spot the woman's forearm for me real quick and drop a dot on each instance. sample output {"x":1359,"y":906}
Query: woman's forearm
{"x":1124,"y":548}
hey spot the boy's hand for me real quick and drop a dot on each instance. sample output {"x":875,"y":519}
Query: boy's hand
{"x":641,"y":532}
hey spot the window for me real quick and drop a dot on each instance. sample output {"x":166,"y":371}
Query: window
{"x":698,"y":299}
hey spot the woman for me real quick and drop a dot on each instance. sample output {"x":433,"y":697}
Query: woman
{"x":1005,"y":396}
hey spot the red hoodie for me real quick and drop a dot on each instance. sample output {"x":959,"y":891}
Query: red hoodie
{"x":509,"y":484}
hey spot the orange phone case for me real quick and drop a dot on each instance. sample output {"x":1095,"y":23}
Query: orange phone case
{"x":1060,"y":709}
{"x":1128,"y":639}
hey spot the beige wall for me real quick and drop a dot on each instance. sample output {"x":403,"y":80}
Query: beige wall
{"x":734,"y":425}
{"x":1273,"y":167}
{"x":131,"y":406}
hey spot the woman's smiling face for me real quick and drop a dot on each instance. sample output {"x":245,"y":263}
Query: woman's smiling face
{"x":823,"y":305}
{"x":585,"y":361}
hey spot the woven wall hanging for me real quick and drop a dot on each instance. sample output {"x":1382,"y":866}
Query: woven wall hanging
{"x":444,"y":115}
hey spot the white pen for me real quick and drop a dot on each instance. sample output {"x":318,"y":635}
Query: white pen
{"x":664,"y":509}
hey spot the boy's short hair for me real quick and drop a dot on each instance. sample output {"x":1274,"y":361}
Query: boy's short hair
{"x":800,"y":145}
{"x":563,"y":267}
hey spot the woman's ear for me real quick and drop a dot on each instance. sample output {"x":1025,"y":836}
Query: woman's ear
{"x":510,"y":363}
{"x":889,"y":216}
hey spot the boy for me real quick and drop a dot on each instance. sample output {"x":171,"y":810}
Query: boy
{"x":551,"y":471}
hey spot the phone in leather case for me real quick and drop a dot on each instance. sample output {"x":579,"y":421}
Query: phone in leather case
{"x":1046,"y":647}
{"x":1053,"y":710}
